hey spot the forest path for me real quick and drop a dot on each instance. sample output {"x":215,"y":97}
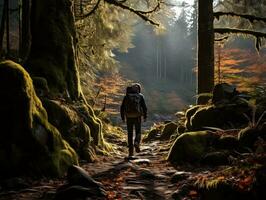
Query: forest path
{"x":147,"y":176}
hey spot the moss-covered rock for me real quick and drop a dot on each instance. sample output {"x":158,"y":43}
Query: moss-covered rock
{"x":168,"y":130}
{"x":29,"y":144}
{"x":189,"y":113}
{"x":228,"y":142}
{"x":181,"y":129}
{"x":40,"y":86}
{"x":79,"y":126}
{"x":191,"y":146}
{"x":248,"y":136}
{"x":72,"y":127}
{"x":206,"y":116}
{"x":220,"y":116}
{"x":216,"y":158}
{"x":151,"y":135}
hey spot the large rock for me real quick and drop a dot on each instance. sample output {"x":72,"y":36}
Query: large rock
{"x":189,"y":113}
{"x":80,"y":186}
{"x":168,"y":130}
{"x":29,"y":144}
{"x":227,"y":142}
{"x":219,"y":116}
{"x":191,"y":146}
{"x":248,"y":136}
{"x":71,"y":126}
{"x":78,"y":176}
{"x":223,"y":92}
{"x":216,"y":158}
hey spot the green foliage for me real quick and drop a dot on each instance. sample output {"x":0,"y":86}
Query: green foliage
{"x":108,"y":29}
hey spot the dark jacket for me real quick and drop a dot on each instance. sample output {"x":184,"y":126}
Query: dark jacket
{"x":142,"y":104}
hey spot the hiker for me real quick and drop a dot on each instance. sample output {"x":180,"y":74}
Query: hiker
{"x":132,"y":109}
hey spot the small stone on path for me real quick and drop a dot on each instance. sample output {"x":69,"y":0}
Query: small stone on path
{"x":141,"y":161}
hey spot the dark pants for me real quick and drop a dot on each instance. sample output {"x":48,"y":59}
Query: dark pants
{"x":131,"y":123}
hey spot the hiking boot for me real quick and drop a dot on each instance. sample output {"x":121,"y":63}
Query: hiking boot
{"x":130,"y":152}
{"x":137,"y":149}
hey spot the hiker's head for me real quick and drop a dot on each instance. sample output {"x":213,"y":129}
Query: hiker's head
{"x":137,"y":87}
{"x":129,"y":90}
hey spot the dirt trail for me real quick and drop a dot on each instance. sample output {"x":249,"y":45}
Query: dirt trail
{"x":147,"y":176}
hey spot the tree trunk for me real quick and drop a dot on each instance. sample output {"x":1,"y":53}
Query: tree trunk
{"x":52,"y":54}
{"x":2,"y":27}
{"x":205,"y":49}
{"x":25,"y":32}
{"x":7,"y":29}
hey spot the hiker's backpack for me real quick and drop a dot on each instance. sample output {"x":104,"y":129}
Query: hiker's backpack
{"x":133,"y":105}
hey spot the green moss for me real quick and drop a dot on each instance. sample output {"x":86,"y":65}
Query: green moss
{"x":31,"y":143}
{"x":190,"y":147}
{"x":207,"y":116}
{"x":227,"y":142}
{"x":248,"y":136}
{"x":53,"y":46}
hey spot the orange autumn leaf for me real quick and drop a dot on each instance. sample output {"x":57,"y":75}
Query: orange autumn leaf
{"x":192,"y":193}
{"x":220,"y":178}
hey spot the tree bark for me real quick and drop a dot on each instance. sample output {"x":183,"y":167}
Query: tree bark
{"x":25,"y":32}
{"x":53,"y":48}
{"x":7,"y":29}
{"x":2,"y":27}
{"x":205,"y":49}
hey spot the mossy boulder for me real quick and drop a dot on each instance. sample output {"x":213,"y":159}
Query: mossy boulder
{"x":227,"y":142}
{"x":189,"y":113}
{"x":79,"y":126}
{"x":72,"y":127}
{"x":219,"y":116}
{"x":223,"y":92}
{"x":29,"y":144}
{"x":191,"y":146}
{"x":207,"y":116}
{"x":168,"y":130}
{"x":152,"y":134}
{"x":248,"y":136}
{"x":216,"y":158}
{"x":40,"y":86}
